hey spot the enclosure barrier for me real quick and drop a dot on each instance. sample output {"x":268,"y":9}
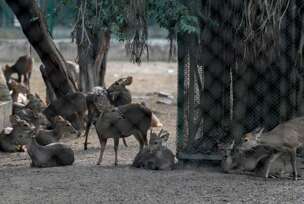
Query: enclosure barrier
{"x":241,"y":70}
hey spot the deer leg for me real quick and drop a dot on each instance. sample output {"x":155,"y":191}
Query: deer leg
{"x":124,"y":142}
{"x":25,"y":80}
{"x":140,"y":141}
{"x":293,"y":160}
{"x":86,"y":134}
{"x":116,"y":143}
{"x":19,"y":78}
{"x":103,"y":142}
{"x":269,"y":162}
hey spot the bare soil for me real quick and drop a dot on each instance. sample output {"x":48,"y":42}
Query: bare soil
{"x":84,"y":182}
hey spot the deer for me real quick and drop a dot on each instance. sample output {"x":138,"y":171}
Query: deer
{"x":17,"y":89}
{"x":124,"y":121}
{"x":20,"y":134}
{"x":71,"y":107}
{"x":73,"y":72}
{"x":22,"y":67}
{"x":156,"y":156}
{"x":117,"y":94}
{"x":237,"y":161}
{"x":285,"y":138}
{"x":62,"y":128}
{"x":51,"y":155}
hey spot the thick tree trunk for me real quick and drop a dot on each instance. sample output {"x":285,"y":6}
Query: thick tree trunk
{"x":93,"y":45}
{"x":35,"y":29}
{"x":92,"y":59}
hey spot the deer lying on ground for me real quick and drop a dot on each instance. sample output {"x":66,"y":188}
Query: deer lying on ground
{"x":16,"y":90}
{"x":19,"y":135}
{"x":54,"y":154}
{"x":117,"y":94}
{"x":253,"y":160}
{"x":124,"y":121}
{"x":22,"y":67}
{"x":62,"y":128}
{"x":156,"y":156}
{"x":284,"y":138}
{"x":34,"y":103}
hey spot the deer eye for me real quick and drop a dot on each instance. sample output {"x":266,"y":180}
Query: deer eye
{"x":246,"y":140}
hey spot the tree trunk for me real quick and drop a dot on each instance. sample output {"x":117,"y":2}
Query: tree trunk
{"x":35,"y":29}
{"x":93,"y":45}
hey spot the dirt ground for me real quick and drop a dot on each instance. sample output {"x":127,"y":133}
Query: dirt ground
{"x":84,"y":182}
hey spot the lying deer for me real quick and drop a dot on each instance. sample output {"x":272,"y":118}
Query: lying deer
{"x":156,"y":156}
{"x":62,"y":128}
{"x":253,"y":160}
{"x":124,"y":121}
{"x":51,"y":155}
{"x":284,"y":138}
{"x":22,"y":67}
{"x":17,"y":89}
{"x":19,"y":135}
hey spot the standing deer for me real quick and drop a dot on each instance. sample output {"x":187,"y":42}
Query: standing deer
{"x":124,"y":121}
{"x":284,"y":138}
{"x":117,"y":94}
{"x":71,"y":107}
{"x":22,"y":67}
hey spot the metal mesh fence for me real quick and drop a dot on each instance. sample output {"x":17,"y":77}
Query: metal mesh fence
{"x":242,"y":70}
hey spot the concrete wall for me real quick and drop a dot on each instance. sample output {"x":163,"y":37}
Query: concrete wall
{"x":5,"y":103}
{"x":12,"y":49}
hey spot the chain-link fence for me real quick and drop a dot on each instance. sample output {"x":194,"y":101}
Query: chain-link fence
{"x":242,"y":70}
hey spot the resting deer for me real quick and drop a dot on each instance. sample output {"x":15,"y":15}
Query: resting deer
{"x":253,"y":160}
{"x":124,"y":121}
{"x":54,"y":154}
{"x":62,"y":128}
{"x":19,"y":135}
{"x":284,"y":138}
{"x":22,"y":67}
{"x":156,"y":156}
{"x":16,"y":89}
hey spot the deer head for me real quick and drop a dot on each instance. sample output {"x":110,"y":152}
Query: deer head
{"x":251,"y":139}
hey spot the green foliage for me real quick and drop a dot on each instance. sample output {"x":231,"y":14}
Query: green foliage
{"x":173,"y":16}
{"x":114,"y":16}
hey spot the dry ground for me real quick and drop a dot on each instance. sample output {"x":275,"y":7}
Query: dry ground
{"x":84,"y":182}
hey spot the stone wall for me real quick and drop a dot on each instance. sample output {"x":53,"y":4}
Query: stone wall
{"x":5,"y":103}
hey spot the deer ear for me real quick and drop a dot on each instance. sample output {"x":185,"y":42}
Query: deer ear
{"x":165,"y":137}
{"x":258,"y":133}
{"x":232,"y":145}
